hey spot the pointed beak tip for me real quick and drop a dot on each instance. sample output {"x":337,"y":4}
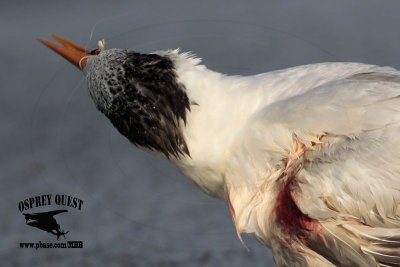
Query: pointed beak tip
{"x":70,"y":51}
{"x":41,"y":40}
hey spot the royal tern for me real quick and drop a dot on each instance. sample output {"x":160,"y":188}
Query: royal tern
{"x":307,"y":158}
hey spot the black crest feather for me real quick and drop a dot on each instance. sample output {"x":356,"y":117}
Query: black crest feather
{"x":146,"y":103}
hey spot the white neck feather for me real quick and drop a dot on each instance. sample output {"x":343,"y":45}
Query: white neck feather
{"x":221,"y":105}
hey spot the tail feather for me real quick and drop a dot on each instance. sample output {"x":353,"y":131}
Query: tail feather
{"x":353,"y":244}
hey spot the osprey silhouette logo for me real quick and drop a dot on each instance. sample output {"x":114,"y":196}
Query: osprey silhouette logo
{"x":45,"y":219}
{"x":46,"y":222}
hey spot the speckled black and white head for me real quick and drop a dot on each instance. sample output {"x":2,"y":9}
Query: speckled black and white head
{"x":141,"y":96}
{"x":139,"y":93}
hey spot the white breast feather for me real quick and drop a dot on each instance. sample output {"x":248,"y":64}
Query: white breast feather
{"x":241,"y":132}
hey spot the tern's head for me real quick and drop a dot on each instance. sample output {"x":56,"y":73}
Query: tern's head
{"x":139,"y":93}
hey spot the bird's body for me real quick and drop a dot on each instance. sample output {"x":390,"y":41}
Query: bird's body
{"x":307,"y":158}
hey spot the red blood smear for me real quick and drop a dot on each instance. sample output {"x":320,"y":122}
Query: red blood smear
{"x":289,"y":216}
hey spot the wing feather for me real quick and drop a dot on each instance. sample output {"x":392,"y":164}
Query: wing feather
{"x":349,"y":178}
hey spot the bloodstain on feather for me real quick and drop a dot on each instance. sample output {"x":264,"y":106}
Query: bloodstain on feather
{"x":294,"y":223}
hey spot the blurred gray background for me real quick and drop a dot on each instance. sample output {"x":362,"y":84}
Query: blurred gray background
{"x":138,"y":210}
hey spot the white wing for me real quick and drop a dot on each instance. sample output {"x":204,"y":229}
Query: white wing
{"x":333,"y":174}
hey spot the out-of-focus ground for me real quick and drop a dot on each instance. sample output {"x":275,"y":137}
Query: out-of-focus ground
{"x":138,"y":210}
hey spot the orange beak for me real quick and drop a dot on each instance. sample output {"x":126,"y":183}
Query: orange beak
{"x":72,"y":52}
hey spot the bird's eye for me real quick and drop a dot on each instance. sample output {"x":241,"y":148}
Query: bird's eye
{"x":95,"y":52}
